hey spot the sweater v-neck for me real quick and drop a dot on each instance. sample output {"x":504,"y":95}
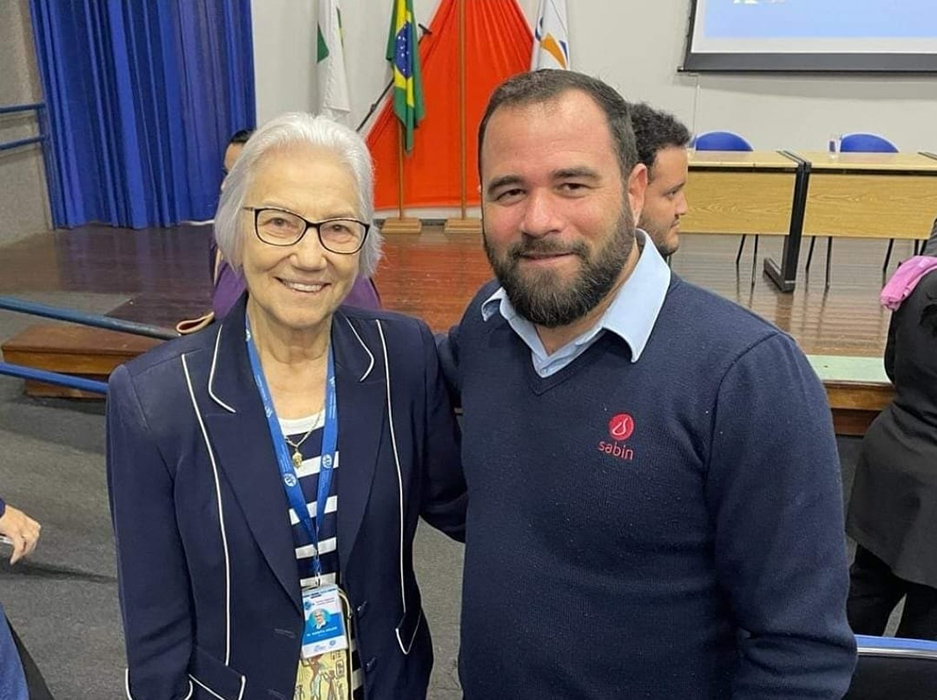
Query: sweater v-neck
{"x":541,"y":385}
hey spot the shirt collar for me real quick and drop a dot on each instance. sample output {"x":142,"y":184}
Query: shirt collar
{"x":631,"y":315}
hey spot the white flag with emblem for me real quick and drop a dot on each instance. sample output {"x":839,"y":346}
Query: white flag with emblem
{"x":551,"y":36}
{"x":330,"y":63}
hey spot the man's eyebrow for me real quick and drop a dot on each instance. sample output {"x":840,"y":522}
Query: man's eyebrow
{"x":581,"y":171}
{"x":503,"y":181}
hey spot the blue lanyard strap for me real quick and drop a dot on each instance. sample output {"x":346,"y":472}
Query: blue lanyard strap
{"x":294,"y":491}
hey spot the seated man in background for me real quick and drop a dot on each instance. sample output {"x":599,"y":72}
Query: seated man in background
{"x":20,"y":679}
{"x":662,"y":141}
{"x":12,"y":679}
{"x":228,"y":286}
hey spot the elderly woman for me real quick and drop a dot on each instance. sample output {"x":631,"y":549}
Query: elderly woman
{"x":267,"y":473}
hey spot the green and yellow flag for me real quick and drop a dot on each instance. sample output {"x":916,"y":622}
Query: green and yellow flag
{"x":403,"y":52}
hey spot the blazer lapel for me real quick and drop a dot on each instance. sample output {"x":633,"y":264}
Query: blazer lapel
{"x":239,"y":434}
{"x":360,"y":387}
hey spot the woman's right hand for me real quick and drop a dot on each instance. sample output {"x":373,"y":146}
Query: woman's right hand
{"x":22,"y":530}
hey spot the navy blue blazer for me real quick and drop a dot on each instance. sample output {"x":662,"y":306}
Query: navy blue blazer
{"x":209,"y":586}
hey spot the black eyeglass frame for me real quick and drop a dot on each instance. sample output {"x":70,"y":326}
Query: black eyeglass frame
{"x":317,"y":225}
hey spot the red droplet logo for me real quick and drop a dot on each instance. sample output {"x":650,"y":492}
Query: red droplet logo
{"x":620,"y":427}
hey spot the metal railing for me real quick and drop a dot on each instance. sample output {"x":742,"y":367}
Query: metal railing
{"x":42,"y":375}
{"x":96,"y":320}
{"x":14,"y":109}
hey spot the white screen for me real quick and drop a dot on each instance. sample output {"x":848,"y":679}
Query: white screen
{"x":818,"y":31}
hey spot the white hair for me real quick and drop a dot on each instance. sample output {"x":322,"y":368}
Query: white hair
{"x":296,"y":129}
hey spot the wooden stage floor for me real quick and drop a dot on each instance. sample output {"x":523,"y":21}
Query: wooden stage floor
{"x":434,"y":275}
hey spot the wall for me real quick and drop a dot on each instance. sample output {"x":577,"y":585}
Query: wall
{"x":24,"y":207}
{"x":635,"y":45}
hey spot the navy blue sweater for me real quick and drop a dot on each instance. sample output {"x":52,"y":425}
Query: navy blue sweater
{"x":670,"y":528}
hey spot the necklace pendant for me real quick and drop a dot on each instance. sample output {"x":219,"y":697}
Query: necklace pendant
{"x":297,"y":459}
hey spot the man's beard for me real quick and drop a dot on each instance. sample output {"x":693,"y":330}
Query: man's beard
{"x":661,"y":236}
{"x":542,"y":297}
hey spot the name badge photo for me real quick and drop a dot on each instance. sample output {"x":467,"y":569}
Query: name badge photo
{"x":324,"y":628}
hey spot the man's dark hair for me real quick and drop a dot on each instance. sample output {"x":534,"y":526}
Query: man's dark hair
{"x":542,"y":86}
{"x":240,"y":136}
{"x":655,"y":130}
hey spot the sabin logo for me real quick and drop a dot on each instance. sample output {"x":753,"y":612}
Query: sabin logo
{"x":620,"y":428}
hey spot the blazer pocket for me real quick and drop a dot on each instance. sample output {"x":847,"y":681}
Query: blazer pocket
{"x":220,"y":681}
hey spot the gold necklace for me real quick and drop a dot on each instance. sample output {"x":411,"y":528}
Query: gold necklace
{"x":297,"y":455}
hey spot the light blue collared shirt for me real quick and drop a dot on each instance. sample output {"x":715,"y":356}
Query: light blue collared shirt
{"x":631,"y":315}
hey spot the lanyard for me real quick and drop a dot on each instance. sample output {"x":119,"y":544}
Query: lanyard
{"x":294,"y":491}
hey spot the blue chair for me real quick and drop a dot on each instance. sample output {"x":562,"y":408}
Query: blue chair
{"x":727,"y":141}
{"x":894,"y":669}
{"x":720,"y":141}
{"x":858,"y":143}
{"x":866,"y":143}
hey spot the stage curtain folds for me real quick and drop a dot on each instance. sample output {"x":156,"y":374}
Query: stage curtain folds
{"x":141,"y":98}
{"x":498,"y":43}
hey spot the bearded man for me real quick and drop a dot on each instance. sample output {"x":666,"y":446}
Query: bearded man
{"x":647,"y":457}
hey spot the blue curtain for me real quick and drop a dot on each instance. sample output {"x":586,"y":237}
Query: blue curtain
{"x":142,"y":96}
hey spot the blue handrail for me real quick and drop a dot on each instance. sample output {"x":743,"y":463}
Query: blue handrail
{"x":42,"y":375}
{"x":97,"y":320}
{"x":22,"y":108}
{"x":41,"y":114}
{"x":22,"y":142}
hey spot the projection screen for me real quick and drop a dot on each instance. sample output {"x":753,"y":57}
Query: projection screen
{"x":812,"y":35}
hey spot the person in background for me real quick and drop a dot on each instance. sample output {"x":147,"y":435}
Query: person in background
{"x":662,"y":141}
{"x":20,"y":678}
{"x":930,"y":246}
{"x":228,"y":285}
{"x":638,"y":451}
{"x":893,"y":510}
{"x":276,"y":462}
{"x":12,"y":678}
{"x":22,"y":531}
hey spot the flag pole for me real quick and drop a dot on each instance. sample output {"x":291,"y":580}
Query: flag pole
{"x":401,"y":223}
{"x":400,"y":168}
{"x":462,"y":224}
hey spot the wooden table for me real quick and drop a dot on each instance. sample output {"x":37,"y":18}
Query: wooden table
{"x":870,"y":195}
{"x":756,"y":192}
{"x":857,"y":389}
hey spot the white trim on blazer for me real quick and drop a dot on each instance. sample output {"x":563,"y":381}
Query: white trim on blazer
{"x":224,"y":534}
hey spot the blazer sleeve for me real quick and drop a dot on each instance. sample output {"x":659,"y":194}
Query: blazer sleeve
{"x":444,"y":497}
{"x":153,"y":578}
{"x":776,"y":502}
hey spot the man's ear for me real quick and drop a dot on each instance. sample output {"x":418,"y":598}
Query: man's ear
{"x":637,"y":188}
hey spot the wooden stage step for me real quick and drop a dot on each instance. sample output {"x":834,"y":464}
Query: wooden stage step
{"x":857,"y":387}
{"x":92,"y":353}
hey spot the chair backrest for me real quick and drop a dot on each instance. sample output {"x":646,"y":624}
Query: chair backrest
{"x":721,"y":141}
{"x":894,"y":669}
{"x":866,"y":143}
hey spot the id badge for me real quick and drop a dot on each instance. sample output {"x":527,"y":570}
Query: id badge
{"x":324,"y":628}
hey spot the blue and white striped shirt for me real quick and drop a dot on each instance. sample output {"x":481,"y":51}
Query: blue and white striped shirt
{"x":308,"y":473}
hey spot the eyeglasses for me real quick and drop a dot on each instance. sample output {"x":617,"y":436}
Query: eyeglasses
{"x":284,"y":228}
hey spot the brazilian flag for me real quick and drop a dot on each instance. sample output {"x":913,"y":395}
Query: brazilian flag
{"x":404,"y":55}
